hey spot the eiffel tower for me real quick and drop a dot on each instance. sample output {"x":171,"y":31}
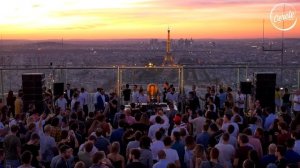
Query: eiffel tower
{"x":168,"y":58}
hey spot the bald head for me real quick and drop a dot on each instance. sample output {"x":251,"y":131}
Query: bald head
{"x":272,"y":149}
{"x":127,"y":111}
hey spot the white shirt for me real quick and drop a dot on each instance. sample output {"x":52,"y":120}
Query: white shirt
{"x":197,"y":124}
{"x":297,"y":146}
{"x":94,"y":150}
{"x":240,"y":100}
{"x":61,"y":103}
{"x":236,"y":128}
{"x":164,"y":117}
{"x":226,"y":153}
{"x":178,"y":128}
{"x":172,"y":97}
{"x":73,"y":103}
{"x":69,"y":94}
{"x":155,"y":147}
{"x":83,"y":97}
{"x":142,"y":98}
{"x":171,"y":155}
{"x":135,"y":96}
{"x":153,"y":129}
{"x":296,"y":106}
{"x":96,"y":97}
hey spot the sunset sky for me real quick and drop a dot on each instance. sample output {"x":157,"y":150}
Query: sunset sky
{"x":136,"y":19}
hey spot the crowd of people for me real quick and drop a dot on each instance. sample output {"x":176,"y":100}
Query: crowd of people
{"x":223,"y":133}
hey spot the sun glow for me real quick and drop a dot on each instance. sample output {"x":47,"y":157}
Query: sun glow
{"x":102,"y":19}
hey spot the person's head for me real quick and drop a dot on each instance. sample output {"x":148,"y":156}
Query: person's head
{"x":68,"y":86}
{"x":160,"y":112}
{"x":145,"y":142}
{"x":82,"y":90}
{"x":158,"y":135}
{"x":199,"y":151}
{"x":282,"y":126}
{"x":134,"y":154}
{"x":161,"y":155}
{"x":213,"y":128}
{"x":208,"y":88}
{"x":88,"y":146}
{"x":26,"y":157}
{"x":227,"y":118}
{"x":225,"y":137}
{"x":190,"y":142}
{"x":80,"y":164}
{"x":92,"y":138}
{"x":98,"y":157}
{"x":47,"y":129}
{"x":177,"y":119}
{"x":128,"y":112}
{"x":205,"y":127}
{"x":272,"y":149}
{"x":35,"y":138}
{"x":127,"y":86}
{"x":280,"y":151}
{"x":243,"y":139}
{"x":138,"y":135}
{"x":259,"y":133}
{"x":176,"y":136}
{"x":66,"y":151}
{"x":167,"y":141}
{"x":230,"y":129}
{"x":137,"y":117}
{"x":247,"y":131}
{"x":135,"y":87}
{"x":14,"y":129}
{"x":253,"y":155}
{"x":158,"y":120}
{"x":214,"y":153}
{"x":248,"y":164}
{"x":115,"y":147}
{"x":210,"y":100}
{"x":290,"y":143}
{"x":102,"y":91}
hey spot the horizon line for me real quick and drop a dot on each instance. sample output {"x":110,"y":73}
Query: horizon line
{"x":132,"y":39}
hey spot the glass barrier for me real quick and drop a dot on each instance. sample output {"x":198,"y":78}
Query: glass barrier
{"x":115,"y":78}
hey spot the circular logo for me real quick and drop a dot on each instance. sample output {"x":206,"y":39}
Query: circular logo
{"x":283,"y":16}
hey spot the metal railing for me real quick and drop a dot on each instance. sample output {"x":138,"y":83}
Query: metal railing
{"x":113,"y":78}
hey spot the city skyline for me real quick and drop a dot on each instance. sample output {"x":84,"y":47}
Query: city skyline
{"x":138,"y":19}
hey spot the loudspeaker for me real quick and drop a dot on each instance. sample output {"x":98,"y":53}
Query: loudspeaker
{"x":265,"y":89}
{"x":246,"y":87}
{"x":32,"y":85}
{"x":58,"y":89}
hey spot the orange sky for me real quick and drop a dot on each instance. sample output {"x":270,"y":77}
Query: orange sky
{"x":124,"y":19}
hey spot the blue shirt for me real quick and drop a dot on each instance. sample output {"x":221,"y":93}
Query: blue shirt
{"x":179,"y":147}
{"x":117,"y":135}
{"x":102,"y":144}
{"x":292,"y":156}
{"x":269,"y":121}
{"x":161,"y":164}
{"x":267,"y":159}
{"x":203,"y":138}
{"x":222,"y":97}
